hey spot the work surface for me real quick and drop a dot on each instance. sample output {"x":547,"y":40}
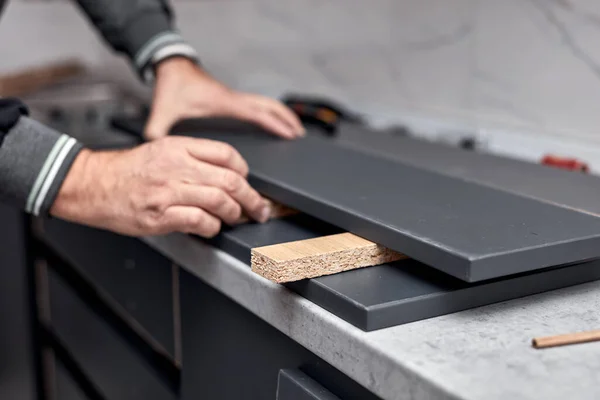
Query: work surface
{"x":483,"y":353}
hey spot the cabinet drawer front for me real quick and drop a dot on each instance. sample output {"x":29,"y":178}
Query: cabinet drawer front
{"x":130,"y":272}
{"x":107,"y":360}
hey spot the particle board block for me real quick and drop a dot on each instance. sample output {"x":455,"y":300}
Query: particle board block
{"x":311,"y":258}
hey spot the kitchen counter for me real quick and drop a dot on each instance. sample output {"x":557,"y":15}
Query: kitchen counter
{"x":480,"y":353}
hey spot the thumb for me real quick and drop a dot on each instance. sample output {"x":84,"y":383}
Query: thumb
{"x":160,"y":122}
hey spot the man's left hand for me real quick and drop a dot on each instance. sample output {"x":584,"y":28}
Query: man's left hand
{"x":183,"y":90}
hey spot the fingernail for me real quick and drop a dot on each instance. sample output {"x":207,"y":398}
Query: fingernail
{"x":265,"y":213}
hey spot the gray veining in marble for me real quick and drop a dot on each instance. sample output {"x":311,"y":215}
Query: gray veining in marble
{"x":527,"y":66}
{"x":483,"y":353}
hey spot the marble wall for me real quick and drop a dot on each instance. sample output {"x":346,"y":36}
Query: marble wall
{"x":523,"y":74}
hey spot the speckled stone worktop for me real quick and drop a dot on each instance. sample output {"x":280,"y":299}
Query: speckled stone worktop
{"x":483,"y":353}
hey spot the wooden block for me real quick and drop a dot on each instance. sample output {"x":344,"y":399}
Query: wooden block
{"x":278,"y":210}
{"x":293,"y":261}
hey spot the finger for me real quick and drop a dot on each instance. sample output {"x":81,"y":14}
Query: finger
{"x":194,"y":220}
{"x":250,"y":110}
{"x":286,"y":115}
{"x":233,"y":184}
{"x":278,"y":109}
{"x":217,"y":153}
{"x":159,"y":123}
{"x":240,"y":190}
{"x":211,"y":199}
{"x":270,"y":122}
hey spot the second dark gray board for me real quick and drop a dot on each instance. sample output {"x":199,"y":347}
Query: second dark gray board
{"x":396,"y":293}
{"x":465,"y":229}
{"x":568,"y":189}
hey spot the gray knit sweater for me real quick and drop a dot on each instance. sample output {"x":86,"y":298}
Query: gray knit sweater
{"x":35,"y":159}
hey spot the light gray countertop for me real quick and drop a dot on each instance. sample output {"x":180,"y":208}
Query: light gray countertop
{"x":484,"y":353}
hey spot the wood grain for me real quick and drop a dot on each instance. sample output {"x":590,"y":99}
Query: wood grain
{"x":293,"y":261}
{"x":566,"y":339}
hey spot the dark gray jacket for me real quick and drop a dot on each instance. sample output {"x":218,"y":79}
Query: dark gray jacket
{"x":35,"y":159}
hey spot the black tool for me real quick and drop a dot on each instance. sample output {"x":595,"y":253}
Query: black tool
{"x":321,"y":112}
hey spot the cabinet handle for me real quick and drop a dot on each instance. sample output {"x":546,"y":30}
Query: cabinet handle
{"x":293,"y":384}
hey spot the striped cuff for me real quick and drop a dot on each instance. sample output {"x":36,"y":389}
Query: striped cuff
{"x":51,"y":175}
{"x":34,"y":160}
{"x":161,"y":46}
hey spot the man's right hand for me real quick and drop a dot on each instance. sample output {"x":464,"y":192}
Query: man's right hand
{"x":168,"y":185}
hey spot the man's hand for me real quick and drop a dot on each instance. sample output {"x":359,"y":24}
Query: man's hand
{"x":183,"y":90}
{"x":171,"y":184}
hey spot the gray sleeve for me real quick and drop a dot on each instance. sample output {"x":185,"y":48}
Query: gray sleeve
{"x":34,"y":161}
{"x":140,"y":29}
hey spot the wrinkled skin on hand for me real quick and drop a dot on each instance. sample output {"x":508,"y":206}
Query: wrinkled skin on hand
{"x":173,"y":184}
{"x":183,"y":90}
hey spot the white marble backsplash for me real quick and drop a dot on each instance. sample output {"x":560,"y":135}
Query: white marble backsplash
{"x":526,"y":63}
{"x":523,"y":67}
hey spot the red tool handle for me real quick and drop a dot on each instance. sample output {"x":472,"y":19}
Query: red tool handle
{"x":571,"y":164}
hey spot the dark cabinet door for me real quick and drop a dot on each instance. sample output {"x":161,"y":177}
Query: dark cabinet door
{"x":15,"y":357}
{"x":230,"y":354}
{"x":65,"y":387}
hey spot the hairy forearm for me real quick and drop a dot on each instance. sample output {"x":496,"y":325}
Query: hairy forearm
{"x":85,"y":189}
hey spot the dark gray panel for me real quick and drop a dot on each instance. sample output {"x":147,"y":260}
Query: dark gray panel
{"x":570,"y":189}
{"x":293,"y":384}
{"x":16,"y":378}
{"x":392,"y":294}
{"x":465,"y":229}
